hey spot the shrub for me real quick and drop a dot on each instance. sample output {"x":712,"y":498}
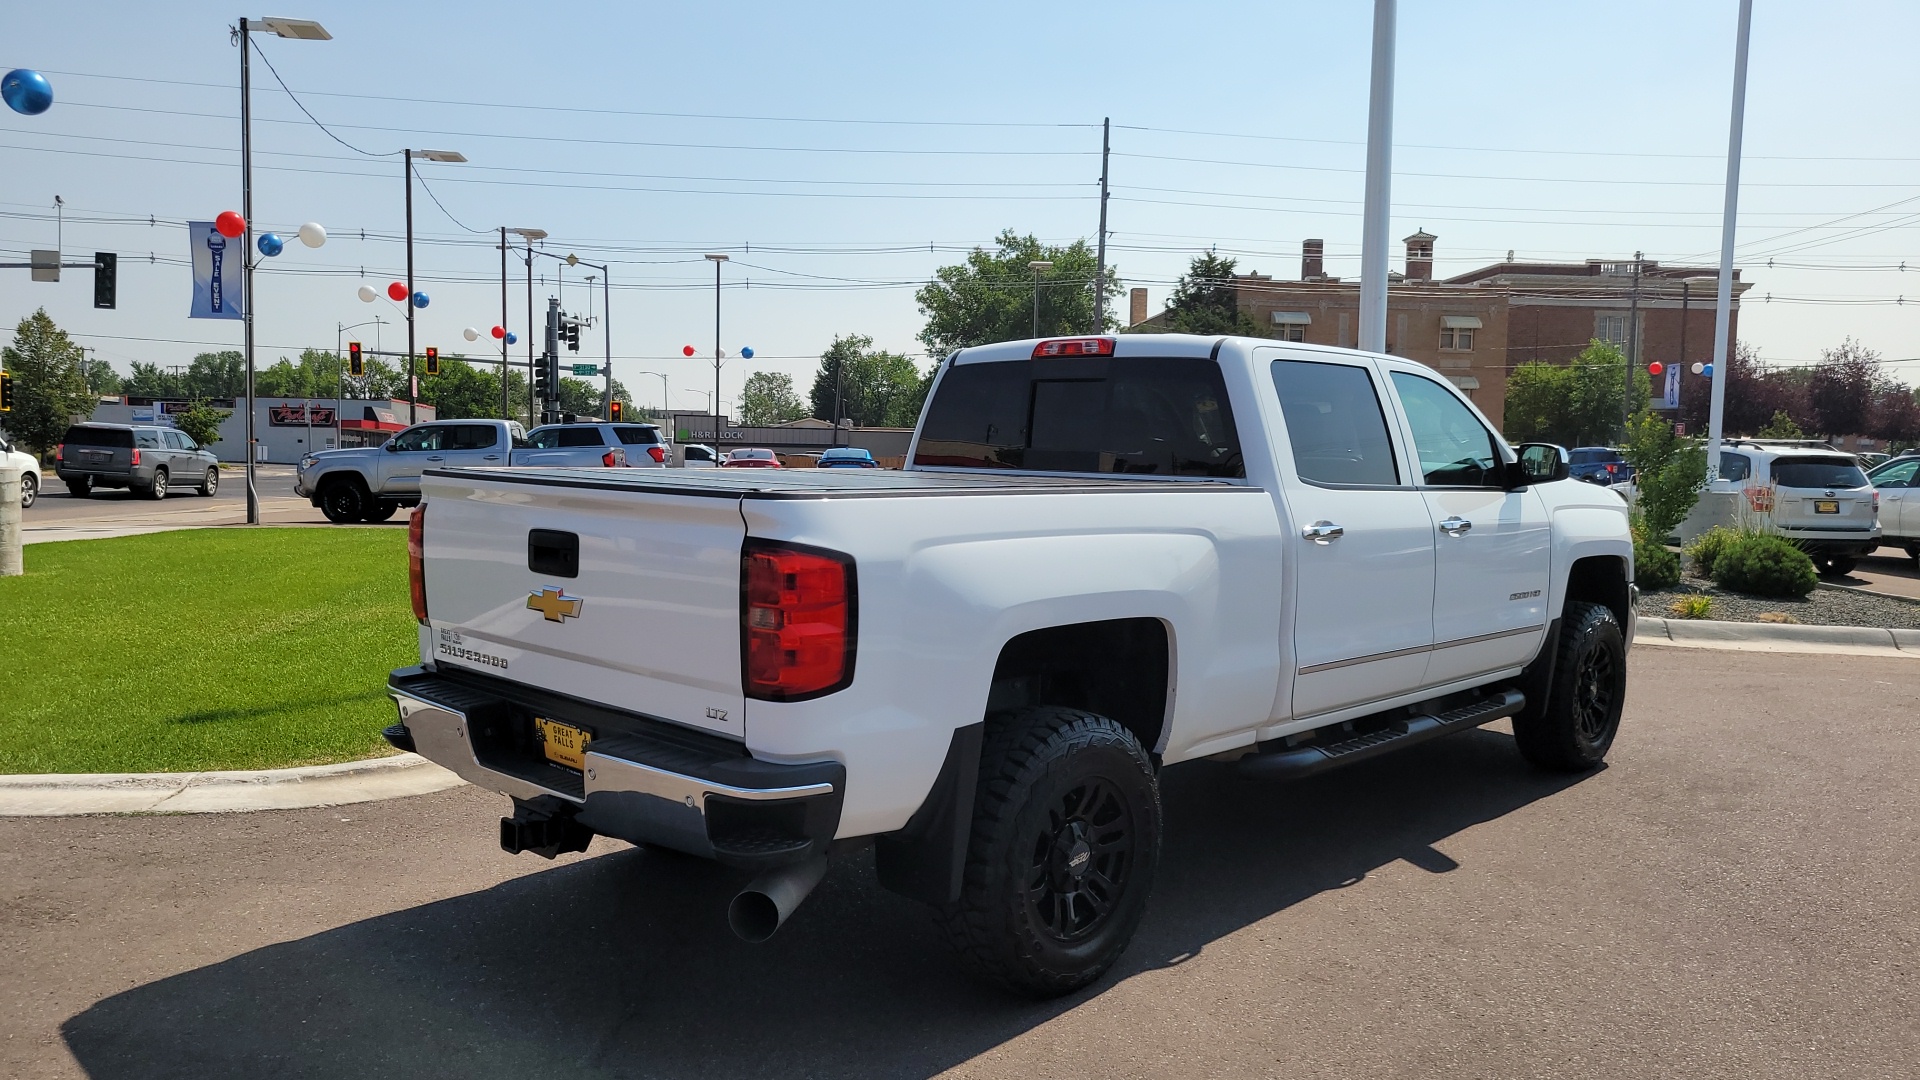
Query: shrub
{"x":1669,"y":472}
{"x":1654,"y":567}
{"x":1764,"y":565}
{"x":1692,"y":607}
{"x":1707,"y":548}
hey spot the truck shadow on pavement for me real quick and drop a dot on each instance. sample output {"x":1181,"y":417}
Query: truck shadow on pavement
{"x":622,"y":965}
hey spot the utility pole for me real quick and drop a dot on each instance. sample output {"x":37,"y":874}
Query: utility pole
{"x":1633,"y":343}
{"x":506,"y":404}
{"x":1100,"y":273}
{"x":246,"y":256}
{"x":1373,"y":240}
{"x":1723,"y":306}
{"x":717,"y":356}
{"x":413,"y":388}
{"x":839,"y":381}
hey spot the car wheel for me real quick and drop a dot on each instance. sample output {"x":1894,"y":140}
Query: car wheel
{"x":343,"y":501}
{"x":157,"y":489}
{"x":80,"y":487}
{"x":1582,"y":714}
{"x":1835,"y":566}
{"x":1064,"y":844}
{"x":1913,"y":552}
{"x":29,"y":489}
{"x":212,"y":484}
{"x":380,"y":511}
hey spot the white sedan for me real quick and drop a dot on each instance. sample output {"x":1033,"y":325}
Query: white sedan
{"x":29,"y":467}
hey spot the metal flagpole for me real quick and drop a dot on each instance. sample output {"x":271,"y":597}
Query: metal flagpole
{"x":1373,"y":241}
{"x":1723,"y":305}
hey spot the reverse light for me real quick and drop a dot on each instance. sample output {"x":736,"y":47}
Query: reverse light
{"x":658,"y":454}
{"x":797,"y":621}
{"x":1090,"y":346}
{"x":417,"y":562}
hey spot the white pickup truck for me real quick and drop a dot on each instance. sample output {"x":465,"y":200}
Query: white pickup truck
{"x":1106,"y":556}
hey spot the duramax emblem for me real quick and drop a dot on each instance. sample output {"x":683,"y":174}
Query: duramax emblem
{"x":554,"y":604}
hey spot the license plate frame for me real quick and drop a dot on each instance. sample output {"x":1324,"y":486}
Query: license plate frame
{"x":562,"y":743}
{"x":1826,"y":506}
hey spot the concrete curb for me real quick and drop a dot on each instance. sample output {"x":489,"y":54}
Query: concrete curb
{"x":64,"y":794}
{"x":1778,"y":637}
{"x":1828,"y":585}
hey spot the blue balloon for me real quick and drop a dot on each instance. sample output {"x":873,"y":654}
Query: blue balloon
{"x":26,"y":92}
{"x":1707,"y":370}
{"x":512,"y":338}
{"x":419,"y":299}
{"x":746,"y":354}
{"x":271,"y":245}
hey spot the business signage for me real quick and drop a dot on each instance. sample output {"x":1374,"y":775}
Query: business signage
{"x":217,"y":263}
{"x":299,"y":415}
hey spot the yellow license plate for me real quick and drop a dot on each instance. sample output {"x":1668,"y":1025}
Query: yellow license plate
{"x":1826,"y":507}
{"x":564,"y":744}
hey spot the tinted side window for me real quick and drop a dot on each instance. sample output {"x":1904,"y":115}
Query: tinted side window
{"x":698,"y":453}
{"x":1335,"y":423}
{"x":581,"y":436}
{"x":1137,"y":415}
{"x":81,"y":435}
{"x":638,"y":436}
{"x":471,"y":437}
{"x":1735,"y":466}
{"x":147,"y":440}
{"x":1454,"y":448}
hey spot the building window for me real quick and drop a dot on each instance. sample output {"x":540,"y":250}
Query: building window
{"x":1611,"y":327}
{"x":1456,"y":340}
{"x":1290,"y":332}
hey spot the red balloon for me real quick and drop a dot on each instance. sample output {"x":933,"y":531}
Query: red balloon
{"x":499,"y":331}
{"x":230,"y":224}
{"x":688,"y":350}
{"x":396,"y":292}
{"x":1656,"y":368}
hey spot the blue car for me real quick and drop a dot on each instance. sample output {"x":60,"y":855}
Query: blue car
{"x":847,"y":457}
{"x":1598,"y":465}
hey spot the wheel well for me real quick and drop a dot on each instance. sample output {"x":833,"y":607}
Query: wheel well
{"x":1600,"y":579}
{"x":1117,"y":668}
{"x":351,"y":479}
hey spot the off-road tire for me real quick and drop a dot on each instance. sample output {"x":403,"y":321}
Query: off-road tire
{"x":380,"y":511}
{"x":1065,"y":841}
{"x":211,"y":485}
{"x":343,"y":501}
{"x":157,"y":489}
{"x":80,"y":487}
{"x":1582,"y":714}
{"x":29,"y":490}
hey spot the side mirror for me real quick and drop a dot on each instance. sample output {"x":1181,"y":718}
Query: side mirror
{"x":390,"y":446}
{"x":1541,"y":463}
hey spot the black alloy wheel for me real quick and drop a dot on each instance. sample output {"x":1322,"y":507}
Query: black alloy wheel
{"x":343,"y":502}
{"x":1081,"y":861}
{"x":1574,"y":727}
{"x":1594,"y":709}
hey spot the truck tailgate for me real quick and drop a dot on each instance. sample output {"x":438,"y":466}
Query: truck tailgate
{"x":649,"y":622}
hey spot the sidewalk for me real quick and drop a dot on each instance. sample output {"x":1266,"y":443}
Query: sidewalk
{"x":63,"y":794}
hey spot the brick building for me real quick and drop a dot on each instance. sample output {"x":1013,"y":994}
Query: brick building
{"x":1476,"y":327}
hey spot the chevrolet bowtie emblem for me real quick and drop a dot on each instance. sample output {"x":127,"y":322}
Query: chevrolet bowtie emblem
{"x":555,"y":604}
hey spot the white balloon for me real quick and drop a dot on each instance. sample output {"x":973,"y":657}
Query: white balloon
{"x":367,"y":294}
{"x":312,"y":235}
{"x":1698,"y":367}
{"x":470,"y":334}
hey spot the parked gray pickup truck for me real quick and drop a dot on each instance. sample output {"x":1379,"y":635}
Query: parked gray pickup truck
{"x":149,"y":460}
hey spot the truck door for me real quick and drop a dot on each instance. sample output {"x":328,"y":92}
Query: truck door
{"x":1363,"y":542}
{"x":413,"y":450}
{"x":1492,"y":549}
{"x":469,"y":445}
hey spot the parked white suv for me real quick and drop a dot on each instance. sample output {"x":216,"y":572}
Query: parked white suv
{"x":1898,"y":482}
{"x":29,"y":467}
{"x":1818,"y":498}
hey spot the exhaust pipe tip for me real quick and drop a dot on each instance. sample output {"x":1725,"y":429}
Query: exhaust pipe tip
{"x":760,"y":909}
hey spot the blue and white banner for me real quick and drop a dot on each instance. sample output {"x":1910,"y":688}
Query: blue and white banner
{"x":1672,"y":398}
{"x":217,"y":266}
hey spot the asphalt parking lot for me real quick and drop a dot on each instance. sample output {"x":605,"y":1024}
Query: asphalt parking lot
{"x":1736,"y":895}
{"x":58,"y":515}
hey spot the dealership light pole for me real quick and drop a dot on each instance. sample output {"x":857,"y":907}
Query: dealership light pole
{"x":1373,"y":236}
{"x":529,"y":235}
{"x":406,"y":165}
{"x":1037,"y":266}
{"x":1723,"y":304}
{"x":717,"y":356}
{"x":299,"y":30}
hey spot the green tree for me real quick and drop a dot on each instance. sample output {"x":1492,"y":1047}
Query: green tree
{"x":1206,"y":300}
{"x":877,"y":388}
{"x":150,"y":382}
{"x":1576,"y":404}
{"x":1669,"y":472}
{"x":215,"y":375}
{"x":461,"y":391}
{"x":768,"y":398}
{"x":1781,"y":427}
{"x":1843,"y":387}
{"x":201,"y":422}
{"x":991,"y":296}
{"x":49,"y":392}
{"x":103,"y":381}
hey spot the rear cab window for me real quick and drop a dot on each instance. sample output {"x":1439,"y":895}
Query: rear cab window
{"x":1084,"y":414}
{"x":1833,"y":472}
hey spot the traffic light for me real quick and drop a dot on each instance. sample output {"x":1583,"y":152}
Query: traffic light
{"x":571,"y":331}
{"x":106,"y":278}
{"x":614,"y":409}
{"x":433,"y":360}
{"x":356,"y":366}
{"x":543,"y":378}
{"x":6,"y":392}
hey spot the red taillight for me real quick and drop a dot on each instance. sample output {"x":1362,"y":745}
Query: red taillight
{"x":60,"y":452}
{"x":658,"y":454}
{"x":607,"y":459}
{"x":1088,"y":346}
{"x":417,"y":562}
{"x":136,"y":457}
{"x":1612,"y":468}
{"x":797,"y":608}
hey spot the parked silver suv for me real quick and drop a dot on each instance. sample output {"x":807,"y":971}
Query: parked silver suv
{"x":149,"y":460}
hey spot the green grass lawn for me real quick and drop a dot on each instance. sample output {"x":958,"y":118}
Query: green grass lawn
{"x":202,"y":649}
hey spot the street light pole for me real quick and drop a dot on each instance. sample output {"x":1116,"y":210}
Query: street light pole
{"x":406,"y":165}
{"x":1379,"y":183}
{"x":715,"y":409}
{"x":302,"y":30}
{"x":506,"y":404}
{"x":1036,"y":266}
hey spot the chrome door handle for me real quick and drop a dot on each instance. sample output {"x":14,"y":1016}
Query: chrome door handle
{"x":1455,"y":526}
{"x":1323,"y":532}
{"x":492,"y":457}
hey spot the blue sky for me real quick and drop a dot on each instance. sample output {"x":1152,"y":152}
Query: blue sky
{"x":841,"y":152}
